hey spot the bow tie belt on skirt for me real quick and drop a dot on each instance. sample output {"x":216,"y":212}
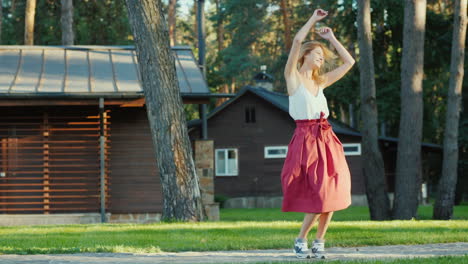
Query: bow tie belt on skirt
{"x":322,"y":124}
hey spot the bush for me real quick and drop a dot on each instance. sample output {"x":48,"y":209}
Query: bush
{"x":221,"y":199}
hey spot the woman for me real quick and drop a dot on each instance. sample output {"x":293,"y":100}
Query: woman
{"x":315,"y":177}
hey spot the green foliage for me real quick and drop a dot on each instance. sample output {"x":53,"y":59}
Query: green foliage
{"x":245,"y":25}
{"x":102,"y":23}
{"x":95,"y":23}
{"x":13,"y":22}
{"x":221,"y":199}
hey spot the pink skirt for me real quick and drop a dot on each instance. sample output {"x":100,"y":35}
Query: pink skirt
{"x":315,"y":177}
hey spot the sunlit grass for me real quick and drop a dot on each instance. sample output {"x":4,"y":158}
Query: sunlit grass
{"x":436,"y":260}
{"x":240,"y":229}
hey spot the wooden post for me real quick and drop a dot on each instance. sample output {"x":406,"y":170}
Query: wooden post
{"x":102,"y":152}
{"x":4,"y":171}
{"x":45,"y":173}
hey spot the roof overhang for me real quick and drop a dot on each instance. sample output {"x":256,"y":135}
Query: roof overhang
{"x":88,"y":72}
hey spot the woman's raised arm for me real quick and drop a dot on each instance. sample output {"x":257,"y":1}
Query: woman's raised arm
{"x":291,"y":65}
{"x":338,"y":73}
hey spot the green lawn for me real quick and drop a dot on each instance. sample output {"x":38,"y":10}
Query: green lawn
{"x":354,"y":213}
{"x":438,"y":260}
{"x":238,"y":230}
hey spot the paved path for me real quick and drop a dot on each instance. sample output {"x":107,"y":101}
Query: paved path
{"x":250,"y":256}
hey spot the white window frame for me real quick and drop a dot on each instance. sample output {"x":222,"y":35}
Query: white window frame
{"x":352,"y":153}
{"x":225,"y":150}
{"x":275,"y":156}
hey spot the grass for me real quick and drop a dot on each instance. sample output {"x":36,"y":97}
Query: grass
{"x":240,"y":229}
{"x":436,"y":260}
{"x":354,"y":213}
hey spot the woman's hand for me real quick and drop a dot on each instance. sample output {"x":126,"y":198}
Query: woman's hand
{"x":319,"y":14}
{"x":326,"y":33}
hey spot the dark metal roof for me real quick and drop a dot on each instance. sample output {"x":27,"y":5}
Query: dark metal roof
{"x":281,"y":101}
{"x":86,"y":71}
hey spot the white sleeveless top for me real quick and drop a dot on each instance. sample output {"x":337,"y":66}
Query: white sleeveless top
{"x":304,"y":105}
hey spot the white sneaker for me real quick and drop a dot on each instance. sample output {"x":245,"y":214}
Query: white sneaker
{"x":301,"y":249}
{"x":318,"y":250}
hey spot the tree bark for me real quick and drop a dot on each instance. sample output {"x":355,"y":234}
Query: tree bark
{"x":220,"y":39}
{"x":373,"y":168}
{"x":224,"y":89}
{"x":219,"y":26}
{"x":172,"y":21}
{"x":13,"y":8}
{"x":408,"y":169}
{"x":195,"y":24}
{"x":443,"y":208}
{"x":67,"y":22}
{"x":29,"y":22}
{"x":284,"y":6}
{"x":180,"y":184}
{"x":1,"y":20}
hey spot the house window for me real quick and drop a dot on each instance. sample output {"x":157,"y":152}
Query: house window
{"x":352,"y":149}
{"x":226,"y":162}
{"x":276,"y":152}
{"x":250,"y":114}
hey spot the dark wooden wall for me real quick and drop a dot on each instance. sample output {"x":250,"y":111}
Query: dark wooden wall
{"x":135,"y":183}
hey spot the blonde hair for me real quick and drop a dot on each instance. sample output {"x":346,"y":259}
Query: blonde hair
{"x":328,"y":55}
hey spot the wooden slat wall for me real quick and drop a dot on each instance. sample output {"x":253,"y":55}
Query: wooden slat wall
{"x":136,"y":187}
{"x":50,"y":160}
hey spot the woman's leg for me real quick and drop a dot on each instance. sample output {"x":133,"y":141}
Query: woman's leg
{"x":309,"y":220}
{"x":318,"y":247}
{"x":324,"y":221}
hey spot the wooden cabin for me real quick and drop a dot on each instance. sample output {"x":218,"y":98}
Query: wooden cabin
{"x":251,"y":133}
{"x":73,"y":125}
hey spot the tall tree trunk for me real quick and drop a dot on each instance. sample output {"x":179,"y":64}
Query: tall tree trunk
{"x":220,"y":39}
{"x":172,"y":21}
{"x":443,"y":208}
{"x":224,"y":89}
{"x":29,"y":22}
{"x":13,"y":8}
{"x":1,"y":20}
{"x":373,"y":168}
{"x":180,"y":184}
{"x":67,"y":22}
{"x":195,"y":24}
{"x":219,"y":26}
{"x":408,"y":169}
{"x":287,"y":24}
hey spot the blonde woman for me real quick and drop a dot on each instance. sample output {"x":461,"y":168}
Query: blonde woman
{"x":315,"y":176}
